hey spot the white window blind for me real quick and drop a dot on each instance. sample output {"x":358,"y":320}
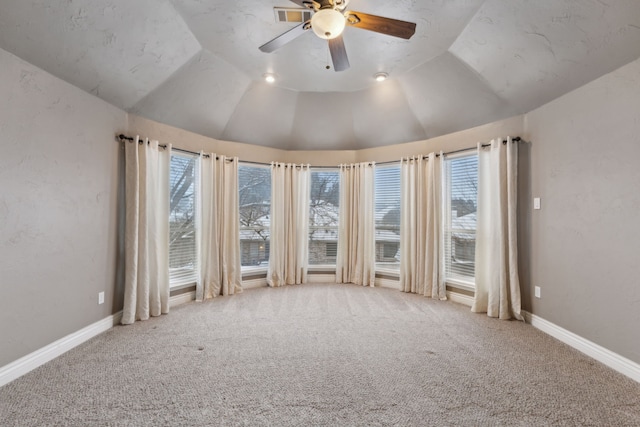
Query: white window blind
{"x":255,"y":204}
{"x":461,"y":195}
{"x":387,"y":216}
{"x":323,"y":216}
{"x":183,"y":259}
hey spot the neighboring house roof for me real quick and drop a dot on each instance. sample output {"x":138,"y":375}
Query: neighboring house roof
{"x":324,"y":219}
{"x":465,"y":222}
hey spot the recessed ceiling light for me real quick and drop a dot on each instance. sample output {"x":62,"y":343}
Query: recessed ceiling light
{"x":380,"y":77}
{"x":269,"y":78}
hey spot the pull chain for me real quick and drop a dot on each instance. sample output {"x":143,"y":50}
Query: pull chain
{"x":328,"y":67}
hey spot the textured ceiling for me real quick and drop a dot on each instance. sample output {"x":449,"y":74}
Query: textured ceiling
{"x":195,"y":64}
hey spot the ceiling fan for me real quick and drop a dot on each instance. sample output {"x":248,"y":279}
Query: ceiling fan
{"x":328,"y":22}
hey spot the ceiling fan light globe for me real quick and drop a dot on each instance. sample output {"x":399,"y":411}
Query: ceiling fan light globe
{"x":328,"y":23}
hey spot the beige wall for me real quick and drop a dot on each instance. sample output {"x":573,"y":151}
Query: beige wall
{"x":451,"y":142}
{"x":191,"y":141}
{"x":58,"y":199}
{"x":455,"y":141}
{"x":584,"y":250}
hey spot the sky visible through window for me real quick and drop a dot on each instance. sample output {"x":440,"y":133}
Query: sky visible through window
{"x":464,"y":180}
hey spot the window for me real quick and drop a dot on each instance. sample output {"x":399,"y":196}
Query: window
{"x":255,"y":204}
{"x":461,"y":194}
{"x":183,"y":259}
{"x":387,"y":217}
{"x":323,"y":217}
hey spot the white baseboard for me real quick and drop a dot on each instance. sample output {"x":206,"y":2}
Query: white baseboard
{"x":182,"y":298}
{"x":613,"y":360}
{"x":254,"y":283}
{"x":460,"y":298}
{"x":39,"y":357}
{"x":321,"y":278}
{"x":387,"y":283}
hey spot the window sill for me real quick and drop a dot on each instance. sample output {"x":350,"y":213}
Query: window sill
{"x":461,"y":284}
{"x":395,"y":273}
{"x":183,"y":285}
{"x":254,"y":271}
{"x":321,"y":269}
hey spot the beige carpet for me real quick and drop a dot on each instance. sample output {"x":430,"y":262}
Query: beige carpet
{"x":327,"y":355}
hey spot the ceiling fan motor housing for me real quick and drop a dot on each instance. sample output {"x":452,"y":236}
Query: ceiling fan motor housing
{"x":326,"y":4}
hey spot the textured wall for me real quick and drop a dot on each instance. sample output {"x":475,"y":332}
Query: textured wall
{"x":584,"y":251}
{"x":58,"y":192}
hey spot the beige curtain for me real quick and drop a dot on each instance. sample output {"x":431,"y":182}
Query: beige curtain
{"x":497,"y":283}
{"x":421,"y":239}
{"x":220,"y":272}
{"x":146,"y":287}
{"x":288,"y":249}
{"x":356,"y":259}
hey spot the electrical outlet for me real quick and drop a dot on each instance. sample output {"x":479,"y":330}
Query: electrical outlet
{"x":537,"y":291}
{"x":100,"y":298}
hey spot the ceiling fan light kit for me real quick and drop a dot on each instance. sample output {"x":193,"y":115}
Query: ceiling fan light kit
{"x":328,"y":22}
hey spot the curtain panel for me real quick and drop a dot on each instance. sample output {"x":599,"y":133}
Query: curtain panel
{"x":497,"y":283}
{"x":289,"y":241}
{"x":356,"y":259}
{"x":421,"y":238}
{"x":146,"y":287}
{"x":219,"y":237}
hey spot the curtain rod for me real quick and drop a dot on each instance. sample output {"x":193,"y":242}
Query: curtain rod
{"x":269,"y":164}
{"x":504,"y":141}
{"x":462,"y":150}
{"x":131,"y":139}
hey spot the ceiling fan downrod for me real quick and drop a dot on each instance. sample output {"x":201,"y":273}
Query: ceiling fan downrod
{"x":338,"y":5}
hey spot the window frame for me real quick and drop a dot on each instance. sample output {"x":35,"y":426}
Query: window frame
{"x":250,"y":270}
{"x":459,"y":281}
{"x":324,"y":266}
{"x":177,"y":283}
{"x":380,"y":267}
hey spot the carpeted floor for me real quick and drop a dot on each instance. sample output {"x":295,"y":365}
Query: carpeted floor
{"x":326,"y":355}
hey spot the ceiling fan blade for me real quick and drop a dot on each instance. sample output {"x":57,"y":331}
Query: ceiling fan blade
{"x":299,"y":3}
{"x":284,"y":38}
{"x":338,"y":54}
{"x":380,"y":24}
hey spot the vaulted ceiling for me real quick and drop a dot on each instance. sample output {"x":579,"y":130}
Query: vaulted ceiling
{"x":195,"y":64}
